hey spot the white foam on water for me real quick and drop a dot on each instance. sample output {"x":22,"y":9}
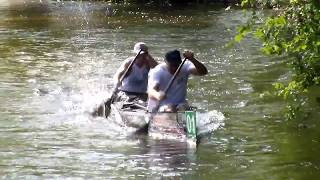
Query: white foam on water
{"x":207,"y":122}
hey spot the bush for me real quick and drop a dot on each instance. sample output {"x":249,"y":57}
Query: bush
{"x":294,"y":30}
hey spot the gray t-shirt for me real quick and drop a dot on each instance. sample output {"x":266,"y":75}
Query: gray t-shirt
{"x":137,"y":80}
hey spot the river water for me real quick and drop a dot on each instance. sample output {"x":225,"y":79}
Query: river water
{"x":57,"y":61}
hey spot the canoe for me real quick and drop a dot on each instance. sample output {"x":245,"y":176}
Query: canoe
{"x":131,"y":115}
{"x":173,"y":126}
{"x":180,"y":126}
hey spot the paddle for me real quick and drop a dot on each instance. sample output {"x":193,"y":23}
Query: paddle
{"x":170,"y":83}
{"x":104,"y":109}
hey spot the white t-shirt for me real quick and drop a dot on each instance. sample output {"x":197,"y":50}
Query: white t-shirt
{"x":177,"y":93}
{"x":137,"y":80}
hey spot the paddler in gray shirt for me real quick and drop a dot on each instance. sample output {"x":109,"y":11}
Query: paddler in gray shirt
{"x":134,"y":86}
{"x":159,"y":77}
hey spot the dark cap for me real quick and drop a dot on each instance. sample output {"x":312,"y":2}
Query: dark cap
{"x":173,"y":57}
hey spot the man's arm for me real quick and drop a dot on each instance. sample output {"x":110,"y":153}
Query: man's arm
{"x":150,"y":60}
{"x":155,"y":93}
{"x":199,"y":68}
{"x":120,"y":71}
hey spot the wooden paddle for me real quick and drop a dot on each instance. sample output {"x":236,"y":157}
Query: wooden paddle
{"x":105,"y":108}
{"x":170,"y":83}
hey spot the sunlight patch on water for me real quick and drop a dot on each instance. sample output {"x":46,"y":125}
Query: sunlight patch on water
{"x":240,"y":104}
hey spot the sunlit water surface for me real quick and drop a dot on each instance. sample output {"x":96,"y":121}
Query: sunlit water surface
{"x":56,"y":64}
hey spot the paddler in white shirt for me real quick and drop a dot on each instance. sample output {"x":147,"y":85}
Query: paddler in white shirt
{"x":134,"y":85}
{"x":159,"y":77}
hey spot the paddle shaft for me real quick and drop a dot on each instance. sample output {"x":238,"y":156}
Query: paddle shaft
{"x":115,"y":90}
{"x":104,"y":110}
{"x":174,"y":76}
{"x":129,"y":67}
{"x":171,"y":82}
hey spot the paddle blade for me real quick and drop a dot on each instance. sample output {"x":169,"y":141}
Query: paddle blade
{"x":103,"y":110}
{"x":107,"y":107}
{"x":99,"y":111}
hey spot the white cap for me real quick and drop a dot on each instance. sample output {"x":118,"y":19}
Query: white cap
{"x":137,"y":47}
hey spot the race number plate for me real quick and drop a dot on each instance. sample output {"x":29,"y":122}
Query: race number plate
{"x":191,"y":124}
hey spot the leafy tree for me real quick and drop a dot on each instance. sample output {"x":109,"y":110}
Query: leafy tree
{"x":293,"y":30}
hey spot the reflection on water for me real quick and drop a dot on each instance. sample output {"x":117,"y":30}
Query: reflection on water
{"x":169,"y":158}
{"x":57,"y":62}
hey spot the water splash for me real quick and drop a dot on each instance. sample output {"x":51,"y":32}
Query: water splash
{"x":207,"y":122}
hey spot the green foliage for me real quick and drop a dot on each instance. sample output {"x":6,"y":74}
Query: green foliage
{"x":242,"y":31}
{"x":294,"y":30}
